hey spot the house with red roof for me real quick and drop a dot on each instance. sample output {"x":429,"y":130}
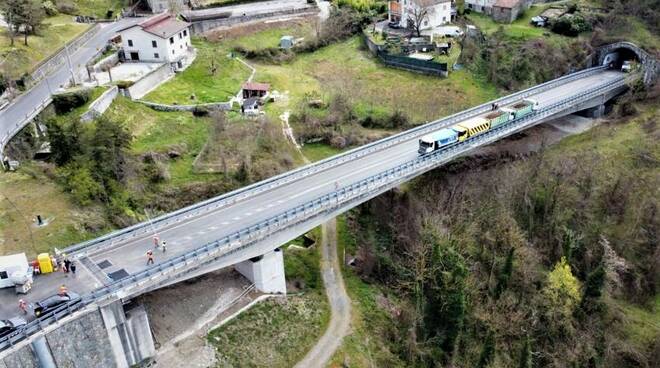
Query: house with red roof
{"x":161,"y":38}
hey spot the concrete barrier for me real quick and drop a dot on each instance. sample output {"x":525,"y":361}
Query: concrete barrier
{"x":150,"y":81}
{"x":98,"y":107}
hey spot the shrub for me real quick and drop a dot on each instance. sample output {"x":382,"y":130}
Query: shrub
{"x":50,"y":8}
{"x":570,"y":26}
{"x":200,"y":111}
{"x":67,"y":7}
{"x":124,"y":84}
{"x":66,"y":102}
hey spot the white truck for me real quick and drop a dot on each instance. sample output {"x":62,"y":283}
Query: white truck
{"x":15,"y":272}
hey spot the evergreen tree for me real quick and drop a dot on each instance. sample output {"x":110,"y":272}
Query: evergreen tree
{"x":526,"y":354}
{"x":487,"y":352}
{"x":505,"y":274}
{"x":593,"y":287}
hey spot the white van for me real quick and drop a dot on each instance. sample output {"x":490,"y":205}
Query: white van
{"x":13,"y":267}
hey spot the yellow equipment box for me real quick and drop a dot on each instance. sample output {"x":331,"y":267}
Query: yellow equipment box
{"x":45,"y":264}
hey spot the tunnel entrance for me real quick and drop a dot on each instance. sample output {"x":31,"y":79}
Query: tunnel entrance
{"x":616,"y":58}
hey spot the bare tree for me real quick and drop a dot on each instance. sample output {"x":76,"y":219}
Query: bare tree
{"x":33,"y":17}
{"x":12,"y":11}
{"x":416,"y":18}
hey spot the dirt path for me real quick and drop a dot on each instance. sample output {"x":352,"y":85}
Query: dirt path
{"x":340,"y":304}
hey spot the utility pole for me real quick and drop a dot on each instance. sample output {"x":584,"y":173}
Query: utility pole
{"x":68,"y":60}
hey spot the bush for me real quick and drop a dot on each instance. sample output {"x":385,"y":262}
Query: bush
{"x":67,"y":8}
{"x":200,"y":111}
{"x":50,"y":8}
{"x":66,"y":102}
{"x":124,"y":84}
{"x":570,"y":26}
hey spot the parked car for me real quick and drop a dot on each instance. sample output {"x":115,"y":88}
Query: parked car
{"x":9,"y":326}
{"x":394,"y":25}
{"x":52,"y":302}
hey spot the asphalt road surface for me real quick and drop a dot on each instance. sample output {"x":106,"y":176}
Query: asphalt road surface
{"x":28,"y":101}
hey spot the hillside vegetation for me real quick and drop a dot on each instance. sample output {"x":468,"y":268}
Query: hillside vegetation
{"x":547,"y":261}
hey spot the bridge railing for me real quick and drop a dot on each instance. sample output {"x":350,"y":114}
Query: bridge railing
{"x":230,"y":198}
{"x":352,"y":194}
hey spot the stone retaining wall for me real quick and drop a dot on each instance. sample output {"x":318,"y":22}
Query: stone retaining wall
{"x":209,"y":24}
{"x":217,"y":106}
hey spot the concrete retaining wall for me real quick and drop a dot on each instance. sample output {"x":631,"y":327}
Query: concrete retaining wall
{"x":403,"y":62}
{"x":98,"y":107}
{"x":150,"y":81}
{"x":209,"y":24}
{"x":107,"y":61}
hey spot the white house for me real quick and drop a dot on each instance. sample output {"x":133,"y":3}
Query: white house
{"x":438,"y":12}
{"x":161,"y":38}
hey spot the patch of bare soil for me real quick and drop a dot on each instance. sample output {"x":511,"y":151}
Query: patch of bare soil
{"x":244,"y":29}
{"x":172,"y":310}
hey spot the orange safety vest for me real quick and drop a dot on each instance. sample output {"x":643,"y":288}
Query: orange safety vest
{"x":63,"y":290}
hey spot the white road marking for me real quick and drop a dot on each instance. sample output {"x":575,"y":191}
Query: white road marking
{"x":236,"y":218}
{"x":224,"y":223}
{"x":248,"y":214}
{"x":259,"y":209}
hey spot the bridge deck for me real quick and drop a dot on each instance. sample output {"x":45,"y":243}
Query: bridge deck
{"x":187,"y":235}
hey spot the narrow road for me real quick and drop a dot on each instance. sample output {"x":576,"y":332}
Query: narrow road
{"x":340,"y":304}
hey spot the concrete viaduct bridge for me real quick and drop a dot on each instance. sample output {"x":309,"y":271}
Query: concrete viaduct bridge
{"x":244,"y":229}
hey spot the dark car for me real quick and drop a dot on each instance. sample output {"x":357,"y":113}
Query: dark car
{"x":394,"y":25}
{"x":9,"y":326}
{"x":52,"y":302}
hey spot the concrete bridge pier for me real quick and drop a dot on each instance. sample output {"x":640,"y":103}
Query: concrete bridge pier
{"x":42,"y":353}
{"x":265,"y":271}
{"x":594,"y":112}
{"x":129,"y":333}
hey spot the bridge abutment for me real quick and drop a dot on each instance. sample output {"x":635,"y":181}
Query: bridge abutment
{"x":265,"y":271}
{"x":129,"y":333}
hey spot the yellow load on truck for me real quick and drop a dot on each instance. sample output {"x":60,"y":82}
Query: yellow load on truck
{"x":45,"y":264}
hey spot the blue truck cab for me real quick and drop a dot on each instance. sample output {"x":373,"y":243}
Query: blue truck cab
{"x":436,"y":140}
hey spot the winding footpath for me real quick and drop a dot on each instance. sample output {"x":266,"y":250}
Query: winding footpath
{"x":340,"y":303}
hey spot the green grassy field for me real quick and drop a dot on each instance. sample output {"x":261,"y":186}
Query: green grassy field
{"x":67,"y":223}
{"x":520,"y":28}
{"x":371,"y":87}
{"x":20,"y":59}
{"x":99,"y":8}
{"x":199,"y":80}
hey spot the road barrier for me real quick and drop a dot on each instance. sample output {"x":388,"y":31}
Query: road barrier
{"x":328,"y":203}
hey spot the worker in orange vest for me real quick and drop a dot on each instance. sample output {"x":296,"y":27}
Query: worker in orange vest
{"x":150,"y":257}
{"x":63,"y":290}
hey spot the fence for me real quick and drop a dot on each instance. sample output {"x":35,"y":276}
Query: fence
{"x":325,"y":204}
{"x":223,"y":106}
{"x":404,"y":62}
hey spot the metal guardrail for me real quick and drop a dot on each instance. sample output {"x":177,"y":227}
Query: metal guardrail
{"x":230,"y":198}
{"x":355,"y":192}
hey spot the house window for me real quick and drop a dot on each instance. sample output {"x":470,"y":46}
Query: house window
{"x":172,"y":52}
{"x":171,"y":40}
{"x":156,"y":56}
{"x":180,"y":35}
{"x":3,"y":275}
{"x":130,"y":43}
{"x":426,"y":23}
{"x":154,"y":44}
{"x":444,"y":19}
{"x":185,"y":32}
